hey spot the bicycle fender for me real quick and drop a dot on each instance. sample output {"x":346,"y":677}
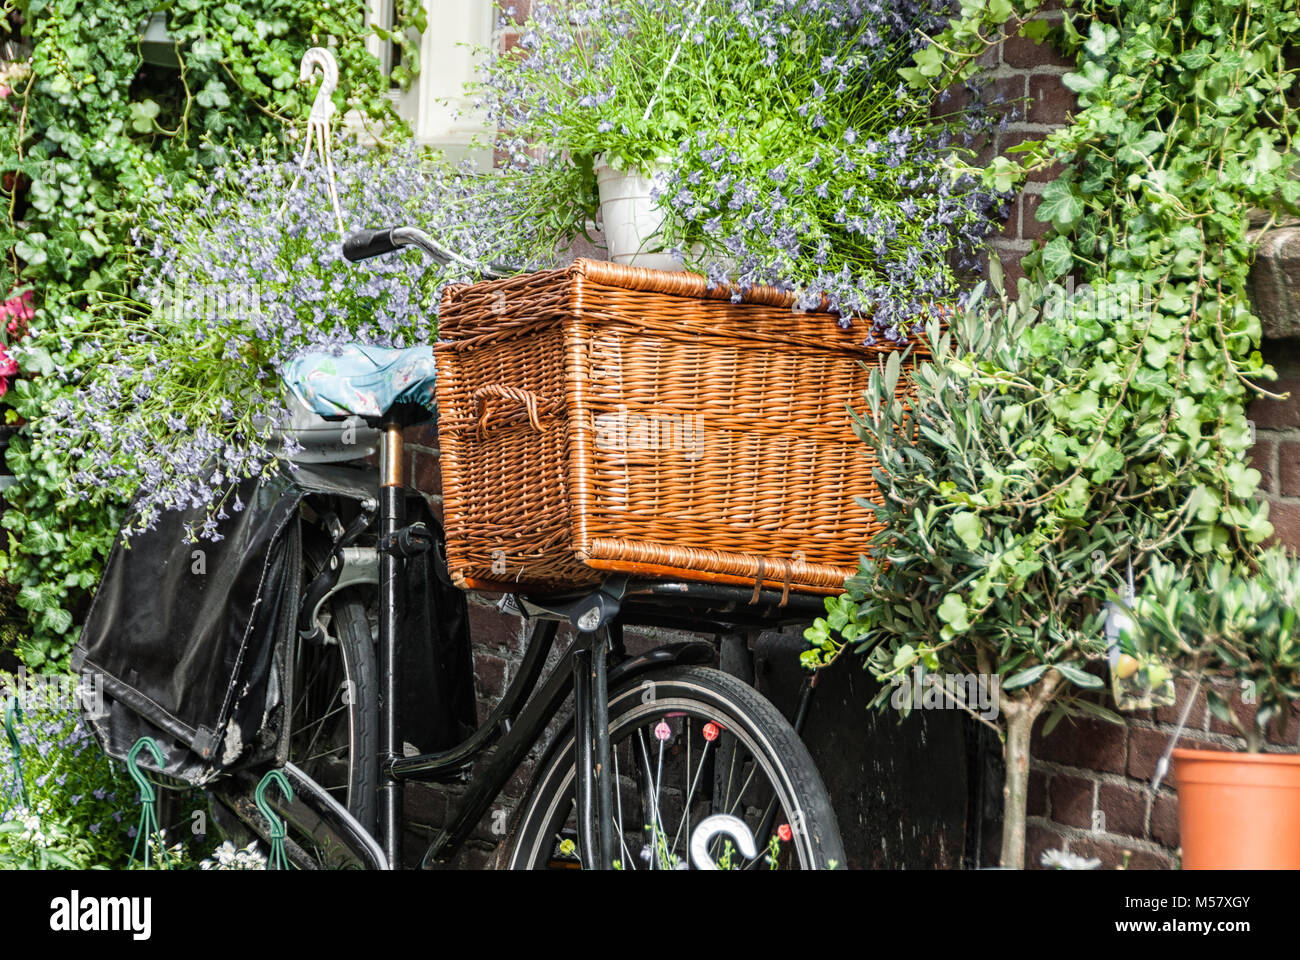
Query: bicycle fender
{"x":690,"y":652}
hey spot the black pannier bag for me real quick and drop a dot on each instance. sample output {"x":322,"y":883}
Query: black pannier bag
{"x":190,"y":641}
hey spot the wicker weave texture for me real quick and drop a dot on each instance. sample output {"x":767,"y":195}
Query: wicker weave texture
{"x":608,"y":418}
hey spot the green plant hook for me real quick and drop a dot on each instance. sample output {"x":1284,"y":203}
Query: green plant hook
{"x":14,"y":713}
{"x":277,"y":859}
{"x":148,"y":799}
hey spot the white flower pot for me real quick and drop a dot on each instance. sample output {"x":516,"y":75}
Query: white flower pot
{"x":632,"y":219}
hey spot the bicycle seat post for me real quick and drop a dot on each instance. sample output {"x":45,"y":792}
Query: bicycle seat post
{"x":392,"y":517}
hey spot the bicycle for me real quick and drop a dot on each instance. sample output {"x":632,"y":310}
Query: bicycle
{"x":663,"y":762}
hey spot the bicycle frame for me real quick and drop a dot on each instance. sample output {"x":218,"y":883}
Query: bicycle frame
{"x":497,"y":747}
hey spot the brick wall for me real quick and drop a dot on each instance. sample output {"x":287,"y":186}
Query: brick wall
{"x":1090,"y":783}
{"x":1027,"y":78}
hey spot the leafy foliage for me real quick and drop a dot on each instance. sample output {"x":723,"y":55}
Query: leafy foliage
{"x":95,"y":137}
{"x":1011,"y":500}
{"x":1117,"y":430}
{"x":1237,"y":620}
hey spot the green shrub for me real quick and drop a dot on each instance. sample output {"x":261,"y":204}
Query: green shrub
{"x":101,"y":138}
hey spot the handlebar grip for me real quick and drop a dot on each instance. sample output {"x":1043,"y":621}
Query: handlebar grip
{"x":365,"y":244}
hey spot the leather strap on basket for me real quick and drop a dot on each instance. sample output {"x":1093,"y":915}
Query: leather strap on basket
{"x":758,"y":580}
{"x":786,"y":581}
{"x":533,"y":405}
{"x":795,"y":557}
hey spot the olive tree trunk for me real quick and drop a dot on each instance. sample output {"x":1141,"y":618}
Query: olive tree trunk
{"x":1020,"y":715}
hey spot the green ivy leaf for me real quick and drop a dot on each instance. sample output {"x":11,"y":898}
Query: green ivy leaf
{"x":142,"y":116}
{"x":1061,"y":205}
{"x":1057,"y":258}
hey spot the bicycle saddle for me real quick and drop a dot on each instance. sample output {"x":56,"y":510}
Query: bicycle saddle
{"x":361,"y":380}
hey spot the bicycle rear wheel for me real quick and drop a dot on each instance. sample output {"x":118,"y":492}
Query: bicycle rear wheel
{"x":334,"y":725}
{"x":690,"y":746}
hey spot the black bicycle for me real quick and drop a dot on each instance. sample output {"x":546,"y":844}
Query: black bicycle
{"x":663,"y":761}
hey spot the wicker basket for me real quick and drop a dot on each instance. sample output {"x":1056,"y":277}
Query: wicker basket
{"x":607,"y":418}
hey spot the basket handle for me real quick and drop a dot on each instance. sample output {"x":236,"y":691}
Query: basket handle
{"x":485,"y":396}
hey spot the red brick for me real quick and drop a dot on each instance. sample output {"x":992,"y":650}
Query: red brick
{"x":1149,"y":747}
{"x":1031,"y":228}
{"x":490,"y":674}
{"x":1036,"y":803}
{"x":1277,"y":414}
{"x":1038,"y":840}
{"x":1046,"y":175}
{"x":1288,"y":468}
{"x":1261,"y":458}
{"x":1285,"y":518}
{"x":425,"y":803}
{"x":1114,"y":854}
{"x":1050,"y":101}
{"x":1024,"y":53}
{"x":1284,"y":730}
{"x":1011,"y":91}
{"x":476,"y":857}
{"x":956,"y":101}
{"x":1072,"y":801}
{"x":1164,"y":820}
{"x":1174,"y":712}
{"x":520,"y":8}
{"x":492,"y":630}
{"x":1244,"y":712}
{"x":1124,"y":807}
{"x":1088,"y":744}
{"x":1145,"y":748}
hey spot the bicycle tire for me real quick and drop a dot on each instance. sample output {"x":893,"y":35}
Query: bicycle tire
{"x":357,"y":735}
{"x":677,"y":691}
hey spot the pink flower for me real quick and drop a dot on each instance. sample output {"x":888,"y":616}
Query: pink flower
{"x":8,"y":367}
{"x":19,"y":310}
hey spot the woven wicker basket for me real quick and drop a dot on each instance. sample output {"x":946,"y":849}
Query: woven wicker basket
{"x":607,"y":418}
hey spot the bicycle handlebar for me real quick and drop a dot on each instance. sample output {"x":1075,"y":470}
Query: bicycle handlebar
{"x":365,"y":244}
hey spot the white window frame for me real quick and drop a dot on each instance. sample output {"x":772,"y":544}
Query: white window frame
{"x":436,"y":106}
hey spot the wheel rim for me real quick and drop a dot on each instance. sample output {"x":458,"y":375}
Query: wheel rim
{"x":669,"y":782}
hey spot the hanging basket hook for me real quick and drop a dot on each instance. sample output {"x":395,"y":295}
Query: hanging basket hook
{"x":148,"y":825}
{"x":145,"y":786}
{"x":277,"y":860}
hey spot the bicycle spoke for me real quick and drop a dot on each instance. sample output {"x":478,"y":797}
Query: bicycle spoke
{"x":618,"y":795}
{"x":691,"y":793}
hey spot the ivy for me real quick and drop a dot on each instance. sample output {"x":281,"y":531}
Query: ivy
{"x":98,"y":137}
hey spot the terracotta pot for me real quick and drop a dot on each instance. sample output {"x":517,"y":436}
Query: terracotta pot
{"x":1238,"y":811}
